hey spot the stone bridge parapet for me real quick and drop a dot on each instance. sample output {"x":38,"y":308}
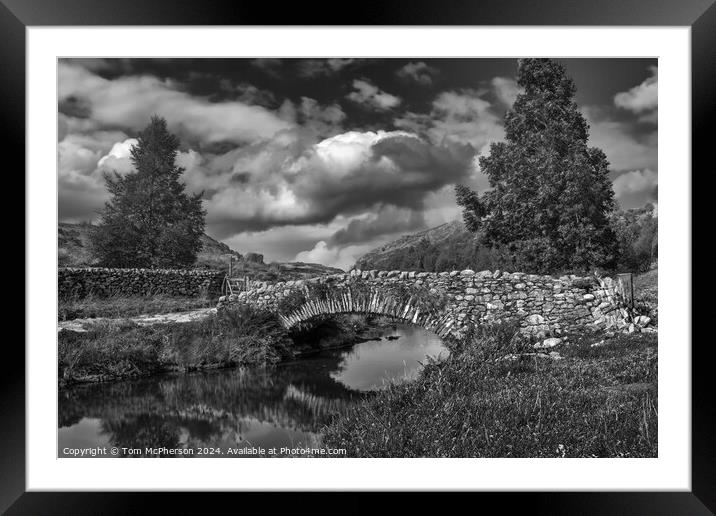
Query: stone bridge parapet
{"x":448,"y":303}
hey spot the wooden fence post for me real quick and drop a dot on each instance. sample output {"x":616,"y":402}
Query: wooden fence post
{"x":626,"y":288}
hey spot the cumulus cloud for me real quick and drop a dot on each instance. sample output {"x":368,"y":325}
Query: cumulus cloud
{"x":118,"y":158}
{"x":369,"y":95}
{"x":636,"y":188}
{"x":642,"y":99}
{"x":387,"y":221}
{"x":128,"y":101}
{"x":418,"y":72}
{"x":459,"y":117}
{"x":80,"y":182}
{"x":341,"y":257}
{"x":625,"y":149}
{"x":290,"y":182}
{"x":248,"y":93}
{"x":282,"y":243}
{"x":324,"y":120}
{"x":506,"y":90}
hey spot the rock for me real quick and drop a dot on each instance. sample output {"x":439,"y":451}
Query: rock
{"x":548,"y":343}
{"x":254,"y":258}
{"x":534,"y":319}
{"x":642,"y":320}
{"x":588,"y":297}
{"x":467,"y":272}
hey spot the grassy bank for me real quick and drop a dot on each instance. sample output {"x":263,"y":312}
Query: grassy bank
{"x":122,"y":349}
{"x":596,"y":401}
{"x":241,"y":335}
{"x":91,"y":307}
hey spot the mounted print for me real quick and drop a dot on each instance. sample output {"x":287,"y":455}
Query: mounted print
{"x":358,"y":257}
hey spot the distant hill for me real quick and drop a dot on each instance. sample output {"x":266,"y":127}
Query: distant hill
{"x":73,"y":251}
{"x":446,"y":247}
{"x":451,"y":247}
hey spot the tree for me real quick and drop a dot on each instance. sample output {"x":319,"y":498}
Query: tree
{"x":150,"y":221}
{"x":550,"y":196}
{"x":637,"y":234}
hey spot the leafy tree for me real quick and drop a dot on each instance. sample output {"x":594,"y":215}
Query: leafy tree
{"x":150,"y":221}
{"x":637,"y":234}
{"x":550,"y":196}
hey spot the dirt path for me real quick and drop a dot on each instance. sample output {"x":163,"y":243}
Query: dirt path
{"x":142,"y":320}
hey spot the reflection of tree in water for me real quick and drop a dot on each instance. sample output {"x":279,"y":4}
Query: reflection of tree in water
{"x":141,"y":431}
{"x":201,"y":409}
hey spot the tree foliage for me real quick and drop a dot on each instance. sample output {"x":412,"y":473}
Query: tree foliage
{"x":637,"y":234}
{"x":550,"y":196}
{"x":150,"y":221}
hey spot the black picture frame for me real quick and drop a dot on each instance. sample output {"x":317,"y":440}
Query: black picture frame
{"x":700,"y":15}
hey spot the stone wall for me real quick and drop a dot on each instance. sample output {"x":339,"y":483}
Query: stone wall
{"x":543,"y":305}
{"x":80,"y":282}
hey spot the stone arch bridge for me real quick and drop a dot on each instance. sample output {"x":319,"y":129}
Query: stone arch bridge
{"x":447,"y":303}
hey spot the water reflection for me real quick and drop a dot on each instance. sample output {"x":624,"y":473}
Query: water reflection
{"x":373,"y":365}
{"x":276,"y":407}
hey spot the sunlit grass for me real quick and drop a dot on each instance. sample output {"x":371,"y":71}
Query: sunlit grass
{"x":90,"y":307}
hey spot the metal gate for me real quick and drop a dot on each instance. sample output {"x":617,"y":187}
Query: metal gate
{"x":235,"y":285}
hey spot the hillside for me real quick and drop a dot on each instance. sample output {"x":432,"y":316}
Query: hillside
{"x":451,"y":247}
{"x":73,"y":251}
{"x":446,"y":247}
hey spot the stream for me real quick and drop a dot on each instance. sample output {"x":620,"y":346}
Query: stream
{"x":245,"y":408}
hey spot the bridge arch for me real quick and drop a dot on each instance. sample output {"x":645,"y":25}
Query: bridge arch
{"x":386,"y":303}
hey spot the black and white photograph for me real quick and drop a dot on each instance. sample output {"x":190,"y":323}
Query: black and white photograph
{"x":357,"y":257}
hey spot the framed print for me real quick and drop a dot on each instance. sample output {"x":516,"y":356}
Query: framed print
{"x":418,"y":252}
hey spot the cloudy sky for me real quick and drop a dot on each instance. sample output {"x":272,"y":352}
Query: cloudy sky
{"x":321,"y":160}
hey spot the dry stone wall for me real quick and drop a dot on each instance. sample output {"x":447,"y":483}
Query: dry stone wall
{"x":80,"y":282}
{"x":543,"y":305}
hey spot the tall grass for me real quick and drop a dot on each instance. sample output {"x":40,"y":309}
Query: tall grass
{"x":121,"y":349}
{"x":484,"y":402}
